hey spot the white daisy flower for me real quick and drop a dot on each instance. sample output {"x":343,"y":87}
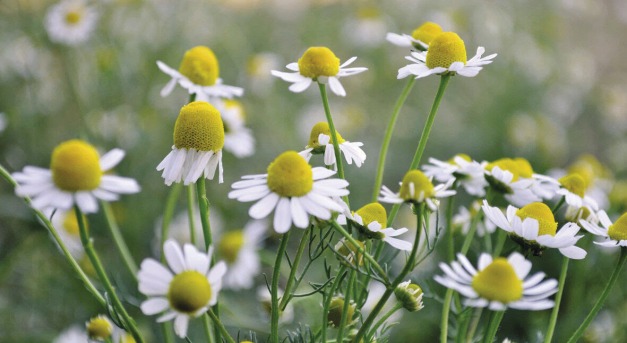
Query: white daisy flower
{"x":320,"y":142}
{"x":464,"y":217}
{"x":265,"y":298}
{"x":370,"y":220}
{"x":294,"y":190}
{"x":446,"y":54}
{"x":199,"y":74}
{"x":185,"y":289}
{"x":71,"y":22}
{"x":77,"y":175}
{"x":416,"y":187}
{"x":318,"y":64}
{"x":99,"y":328}
{"x":498,"y":283}
{"x":419,"y":39}
{"x":197,"y":149}
{"x":534,"y":228}
{"x":544,"y":186}
{"x":573,"y":190}
{"x":67,"y":227}
{"x":240,"y":251}
{"x":615,"y":234}
{"x":514,"y":179}
{"x":238,"y":139}
{"x":468,"y":173}
{"x":73,"y":334}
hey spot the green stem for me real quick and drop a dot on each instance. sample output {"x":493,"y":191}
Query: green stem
{"x":166,"y":331}
{"x":220,"y":326}
{"x":493,"y":326}
{"x":287,"y":295}
{"x":336,"y":145}
{"x":388,"y":137}
{"x":558,"y":205}
{"x":95,"y":261}
{"x":599,"y":304}
{"x":274,"y":292}
{"x":327,"y":302}
{"x":190,"y":214}
{"x":203,"y":205}
{"x":501,"y":236}
{"x":450,"y":242}
{"x":345,"y":309}
{"x":558,"y":300}
{"x":206,"y":325}
{"x":119,"y":239}
{"x":385,"y":317}
{"x":168,"y":212}
{"x":473,"y":325}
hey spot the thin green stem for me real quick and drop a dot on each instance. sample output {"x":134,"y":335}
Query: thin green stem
{"x":558,"y":205}
{"x":129,"y":262}
{"x":290,"y":280}
{"x":501,"y":236}
{"x":166,"y":331}
{"x":190,"y":214}
{"x":493,"y":326}
{"x":388,"y":136}
{"x":558,"y":299}
{"x":347,"y":302}
{"x":450,"y":241}
{"x":168,"y":212}
{"x":474,"y":324}
{"x":220,"y":326}
{"x":203,"y":205}
{"x":336,"y":145}
{"x":327,"y":303}
{"x":385,"y":317}
{"x":206,"y":325}
{"x":599,"y":304}
{"x":274,"y":292}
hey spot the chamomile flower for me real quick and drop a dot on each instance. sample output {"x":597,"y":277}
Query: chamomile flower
{"x":320,"y":142}
{"x":197,"y":149}
{"x":67,"y":227}
{"x":416,"y":188}
{"x":498,"y":283}
{"x":318,"y":64}
{"x":199,"y":73}
{"x":71,"y":22}
{"x":468,"y":173}
{"x":572,"y":189}
{"x":265,"y":299}
{"x":99,"y":328}
{"x":293,"y":190}
{"x":464,"y":218}
{"x":534,"y":228}
{"x":615,"y":234}
{"x":239,"y":249}
{"x":370,"y":220}
{"x":446,"y":54}
{"x":73,"y":334}
{"x":185,"y":289}
{"x":514,"y":179}
{"x":419,"y":39}
{"x":238,"y":139}
{"x":77,"y":176}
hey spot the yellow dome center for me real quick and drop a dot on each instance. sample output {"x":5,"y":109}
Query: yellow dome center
{"x":73,"y":17}
{"x":574,"y":183}
{"x":237,"y":107}
{"x":519,"y":167}
{"x":427,"y":32}
{"x":373,"y":212}
{"x":543,"y":214}
{"x":498,"y":282}
{"x":589,"y":168}
{"x":618,"y":231}
{"x":465,"y":157}
{"x":230,"y":245}
{"x":99,"y":328}
{"x":419,"y":182}
{"x":75,"y":166}
{"x":189,"y":292}
{"x":318,"y":61}
{"x":200,"y":66}
{"x":289,"y":175}
{"x":445,"y":49}
{"x":199,"y":126}
{"x":316,"y":130}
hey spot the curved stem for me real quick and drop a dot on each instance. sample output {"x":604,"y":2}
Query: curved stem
{"x":220,"y":326}
{"x":558,"y":300}
{"x":287,"y":295}
{"x":203,"y":205}
{"x":345,"y":309}
{"x":274,"y":292}
{"x":190,"y":214}
{"x":385,"y":317}
{"x":129,"y":262}
{"x":493,"y":326}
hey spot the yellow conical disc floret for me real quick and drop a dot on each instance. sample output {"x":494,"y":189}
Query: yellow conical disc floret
{"x":189,"y":292}
{"x":99,"y":328}
{"x":290,"y":175}
{"x":618,"y":230}
{"x":445,"y":49}
{"x":573,"y":183}
{"x":543,"y":214}
{"x":73,"y":17}
{"x":589,"y":168}
{"x":464,"y":157}
{"x":498,"y":282}
{"x":519,"y":167}
{"x":75,"y":166}
{"x":318,"y":61}
{"x":199,"y":126}
{"x":316,"y":130}
{"x":427,"y":32}
{"x":414,"y":183}
{"x":200,"y":66}
{"x":230,"y":245}
{"x":373,"y":212}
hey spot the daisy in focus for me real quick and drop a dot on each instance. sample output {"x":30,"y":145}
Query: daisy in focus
{"x":71,"y":22}
{"x":197,"y":149}
{"x":535,"y":229}
{"x":371,"y":219}
{"x":614,"y":234}
{"x":318,"y":64}
{"x":419,"y":39}
{"x":498,"y":283}
{"x":446,"y":54}
{"x":185,"y":289}
{"x":238,"y":139}
{"x":239,"y":249}
{"x":416,"y":188}
{"x":572,"y":188}
{"x":293,"y":190}
{"x":77,"y":176}
{"x":461,"y":168}
{"x":514,"y":179}
{"x":320,"y":143}
{"x":199,"y":73}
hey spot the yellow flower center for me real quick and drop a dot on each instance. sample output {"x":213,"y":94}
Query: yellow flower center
{"x":199,"y":126}
{"x":230,"y":245}
{"x":350,"y":252}
{"x":99,"y":328}
{"x":445,"y":49}
{"x":427,"y":32}
{"x":289,"y":175}
{"x":618,"y":230}
{"x":200,"y":66}
{"x":335,"y":311}
{"x":316,"y":130}
{"x":589,"y":168}
{"x":519,"y":167}
{"x":126,"y":338}
{"x":574,"y":183}
{"x":543,"y":214}
{"x":75,"y":166}
{"x":237,"y":107}
{"x":498,"y":282}
{"x":70,"y":224}
{"x":189,"y":292}
{"x":465,"y":157}
{"x":73,"y":17}
{"x":318,"y":61}
{"x":373,"y":212}
{"x":419,"y":182}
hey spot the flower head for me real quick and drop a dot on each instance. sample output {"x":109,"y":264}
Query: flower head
{"x":615,"y":234}
{"x":420,"y":38}
{"x":513,"y":178}
{"x":336,"y":309}
{"x":238,"y":139}
{"x":371,"y":219}
{"x":416,"y":188}
{"x":573,"y":188}
{"x":239,"y":249}
{"x":461,"y":168}
{"x":99,"y":328}
{"x":320,"y":142}
{"x":184,"y":289}
{"x":409,"y":295}
{"x":318,"y":64}
{"x":498,"y":283}
{"x":71,"y":22}
{"x":76,"y":176}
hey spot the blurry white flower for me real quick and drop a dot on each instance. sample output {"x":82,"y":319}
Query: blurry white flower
{"x":238,"y":139}
{"x":239,"y":249}
{"x":71,"y":22}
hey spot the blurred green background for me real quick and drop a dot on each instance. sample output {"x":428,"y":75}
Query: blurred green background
{"x":556,"y":90}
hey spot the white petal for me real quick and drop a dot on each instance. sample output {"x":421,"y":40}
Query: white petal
{"x":264,"y":206}
{"x":180,"y":325}
{"x":154,"y":306}
{"x":299,"y":215}
{"x":282,"y":216}
{"x":174,"y":256}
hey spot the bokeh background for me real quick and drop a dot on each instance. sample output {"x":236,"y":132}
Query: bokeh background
{"x":556,"y":90}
